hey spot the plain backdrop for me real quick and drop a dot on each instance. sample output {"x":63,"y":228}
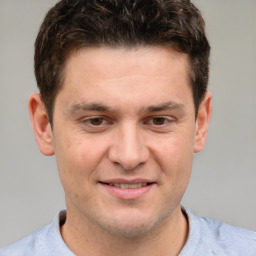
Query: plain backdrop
{"x":223,"y":183}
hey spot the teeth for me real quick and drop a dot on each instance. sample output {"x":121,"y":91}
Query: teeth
{"x":137,"y":185}
{"x":124,"y":186}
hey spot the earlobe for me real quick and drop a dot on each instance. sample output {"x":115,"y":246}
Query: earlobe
{"x":41,"y":125}
{"x":202,"y":122}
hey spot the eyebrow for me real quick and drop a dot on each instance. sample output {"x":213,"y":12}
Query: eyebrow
{"x":83,"y":106}
{"x":170,"y":105}
{"x":88,"y":107}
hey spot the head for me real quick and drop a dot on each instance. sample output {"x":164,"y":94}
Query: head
{"x":74,"y":24}
{"x":121,"y":83}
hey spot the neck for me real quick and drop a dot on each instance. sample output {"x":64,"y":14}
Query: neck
{"x":167,"y":238}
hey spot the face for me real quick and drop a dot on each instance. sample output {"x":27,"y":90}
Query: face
{"x":124,"y":135}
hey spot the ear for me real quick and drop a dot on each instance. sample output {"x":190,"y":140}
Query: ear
{"x":41,"y":125}
{"x":202,"y":122}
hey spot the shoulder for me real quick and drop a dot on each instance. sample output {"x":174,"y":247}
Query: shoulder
{"x":218,"y":238}
{"x":45,"y":242}
{"x":222,"y":236}
{"x":30,"y":245}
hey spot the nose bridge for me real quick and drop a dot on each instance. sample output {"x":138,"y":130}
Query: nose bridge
{"x":128,"y":148}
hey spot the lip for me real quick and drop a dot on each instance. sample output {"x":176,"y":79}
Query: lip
{"x":127,"y":193}
{"x":126,"y":181}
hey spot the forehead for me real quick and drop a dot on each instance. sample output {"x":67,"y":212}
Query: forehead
{"x":122,"y":61}
{"x":137,"y":75}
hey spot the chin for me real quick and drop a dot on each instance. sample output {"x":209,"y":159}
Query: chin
{"x":131,"y":230}
{"x":132,"y":226}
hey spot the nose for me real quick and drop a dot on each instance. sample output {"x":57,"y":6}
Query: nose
{"x":128,"y":148}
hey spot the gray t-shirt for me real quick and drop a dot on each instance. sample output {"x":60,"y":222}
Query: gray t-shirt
{"x":206,"y":238}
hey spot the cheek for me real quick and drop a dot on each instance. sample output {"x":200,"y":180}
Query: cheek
{"x":177,"y":171}
{"x":78,"y":160}
{"x":176,"y":161}
{"x":77,"y":152}
{"x":176,"y":150}
{"x":75,"y":160}
{"x":76,"y":164}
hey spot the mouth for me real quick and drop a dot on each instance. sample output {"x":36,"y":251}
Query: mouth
{"x":127,"y":190}
{"x":128,"y":185}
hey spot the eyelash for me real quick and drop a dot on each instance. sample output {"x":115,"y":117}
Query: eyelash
{"x":88,"y":121}
{"x":165,"y":120}
{"x":104,"y":121}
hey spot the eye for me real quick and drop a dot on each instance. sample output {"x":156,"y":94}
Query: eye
{"x":160,"y":123}
{"x":96,"y":121}
{"x":95,"y":124}
{"x":159,"y":120}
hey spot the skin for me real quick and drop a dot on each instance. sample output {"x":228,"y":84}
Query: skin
{"x":125,"y":115}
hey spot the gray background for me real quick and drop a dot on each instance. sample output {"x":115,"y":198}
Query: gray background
{"x":223,"y":183}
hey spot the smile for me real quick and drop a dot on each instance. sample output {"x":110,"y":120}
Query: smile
{"x":127,"y":190}
{"x":127,"y":186}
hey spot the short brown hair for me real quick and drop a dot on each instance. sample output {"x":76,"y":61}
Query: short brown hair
{"x":74,"y":24}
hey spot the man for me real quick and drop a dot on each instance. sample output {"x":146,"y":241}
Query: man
{"x":123,"y":105}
